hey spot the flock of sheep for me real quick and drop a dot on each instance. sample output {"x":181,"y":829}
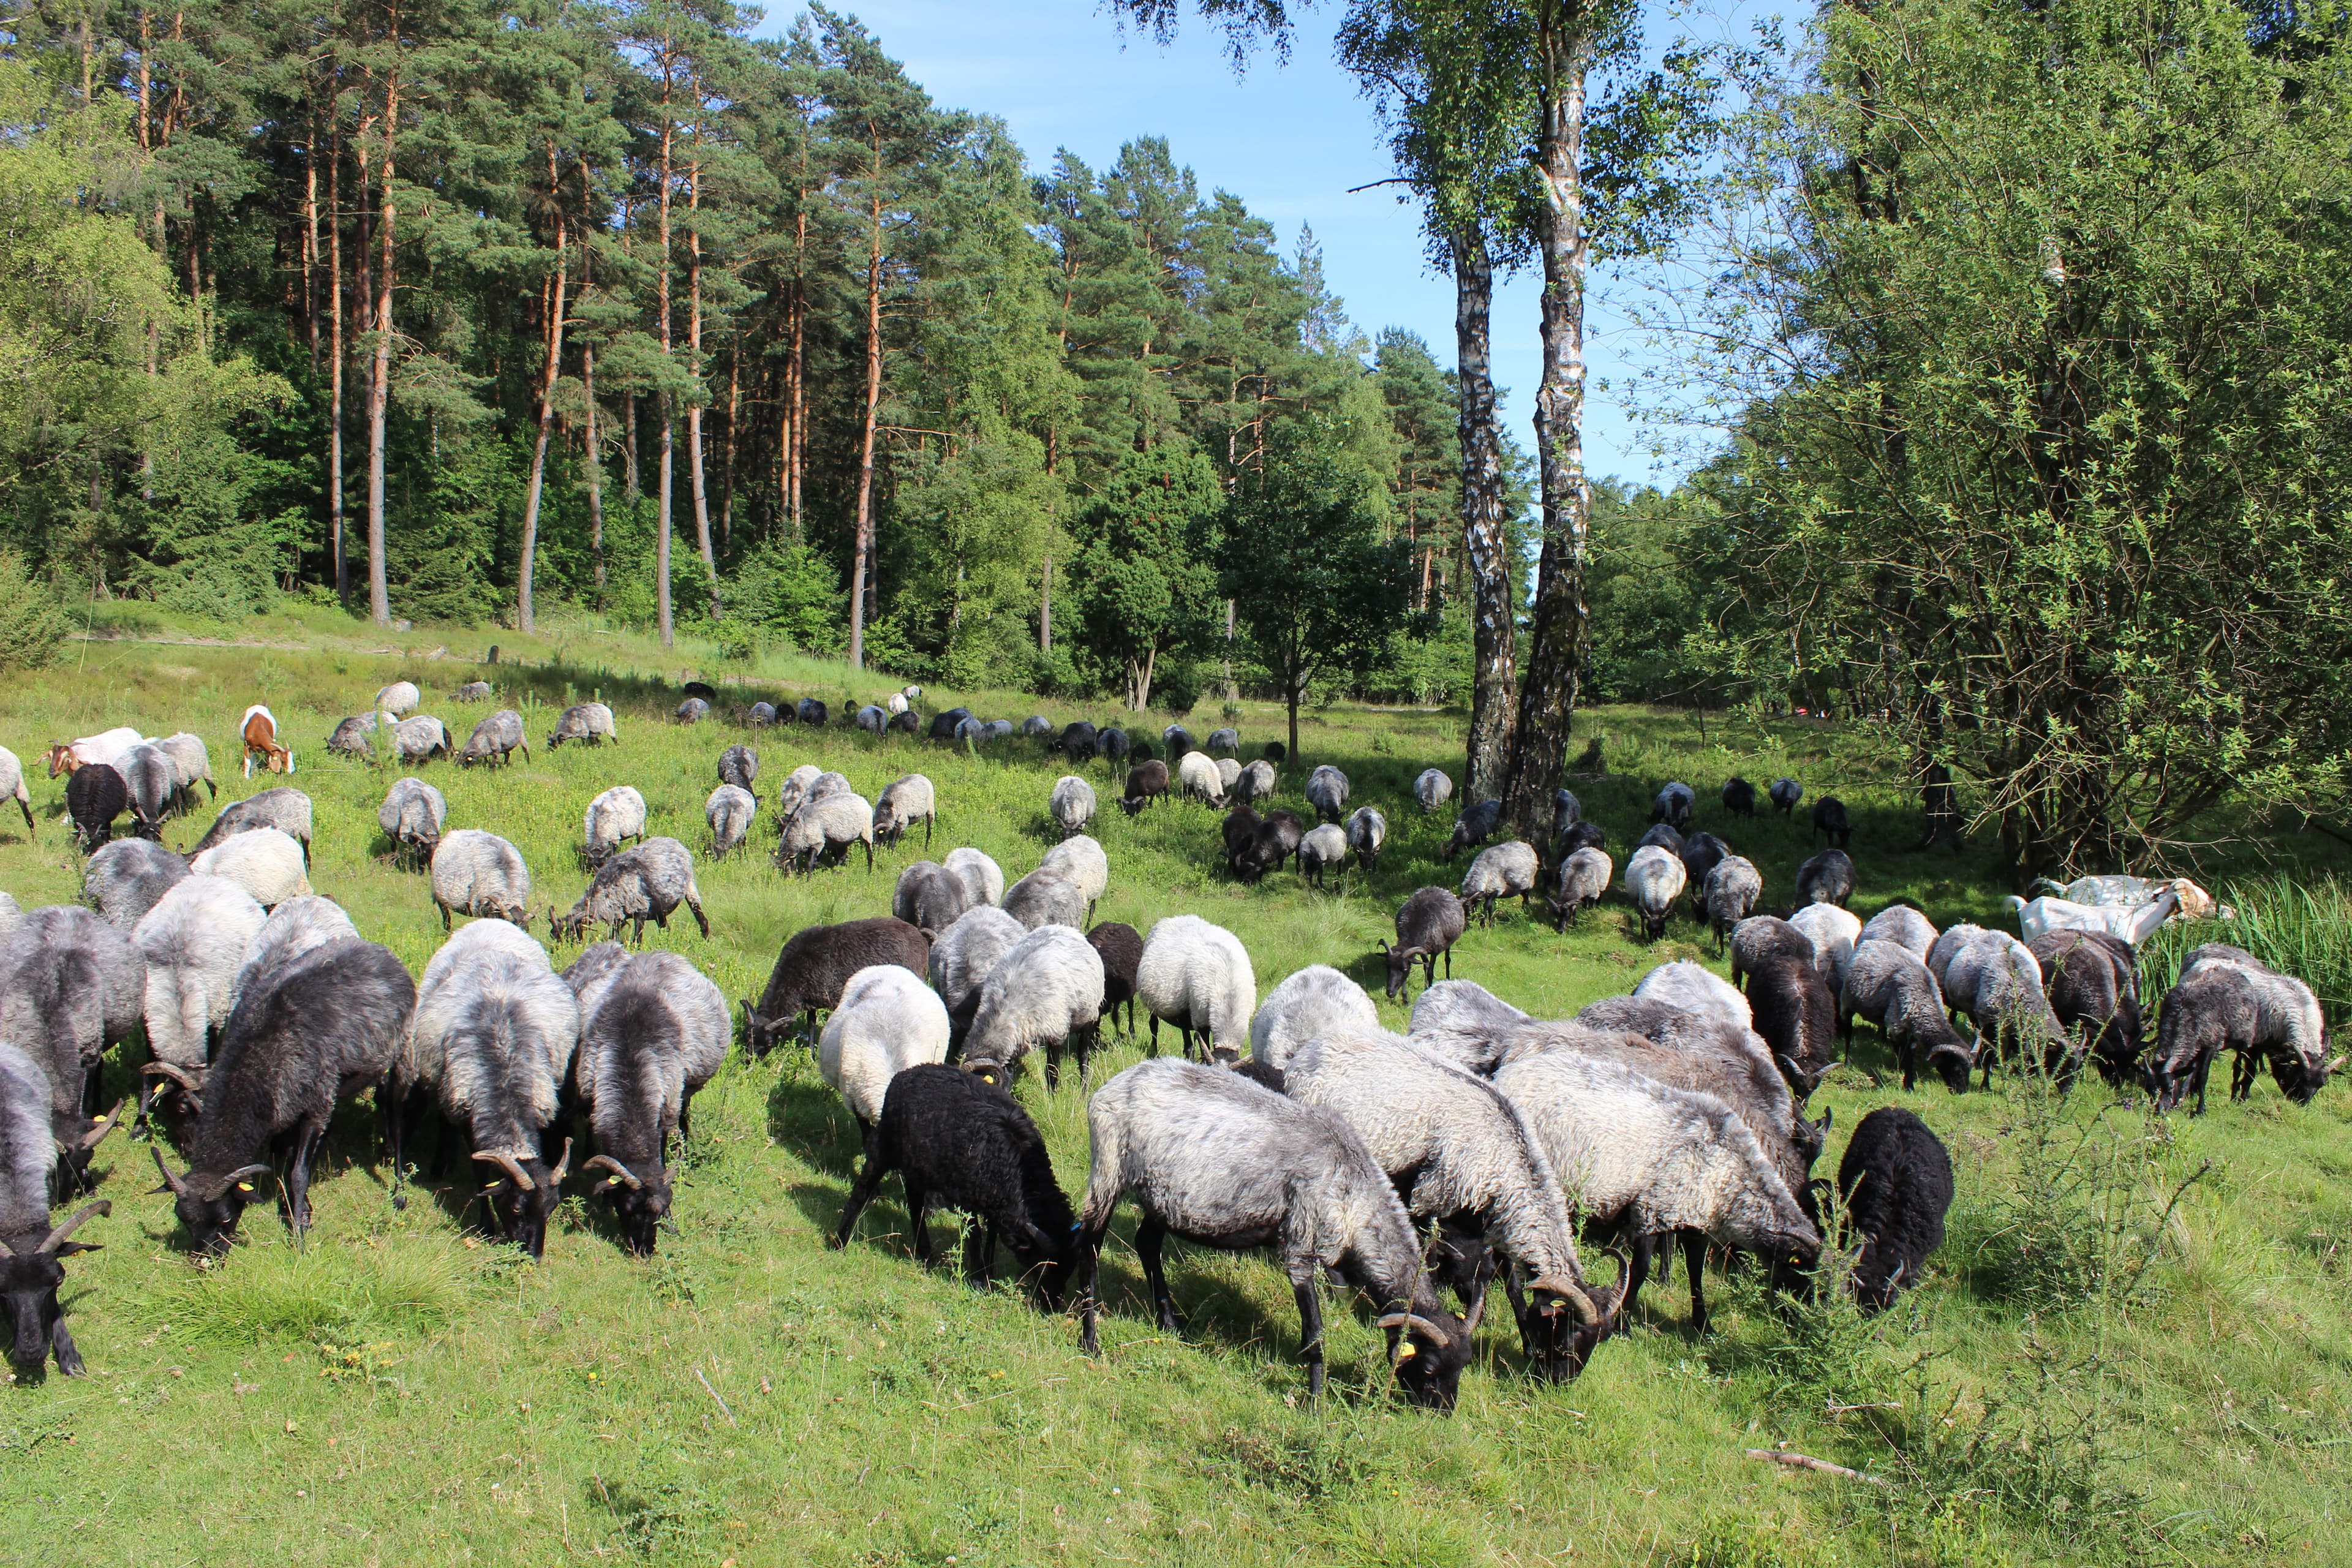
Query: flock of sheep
{"x":1482,"y":1143}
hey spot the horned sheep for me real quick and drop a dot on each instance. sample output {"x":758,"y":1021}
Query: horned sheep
{"x":901,"y":805}
{"x":1886,"y":983}
{"x":1428,"y":924}
{"x":657,"y":1032}
{"x":31,"y":1249}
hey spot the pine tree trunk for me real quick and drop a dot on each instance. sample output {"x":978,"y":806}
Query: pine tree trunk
{"x":668,"y":421}
{"x":554,"y":337}
{"x":864,"y":567}
{"x":595,"y":461}
{"x":1556,"y":636}
{"x":796,"y":375}
{"x":1492,"y":621}
{"x":335,"y":354}
{"x":1045,"y":611}
{"x":694,"y":357}
{"x":727,"y":453}
{"x":380,"y":378}
{"x":629,"y":447}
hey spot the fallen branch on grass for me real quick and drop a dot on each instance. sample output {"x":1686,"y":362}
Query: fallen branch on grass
{"x":1807,"y":1462}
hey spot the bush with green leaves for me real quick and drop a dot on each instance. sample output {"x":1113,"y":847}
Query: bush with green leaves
{"x":31,"y":622}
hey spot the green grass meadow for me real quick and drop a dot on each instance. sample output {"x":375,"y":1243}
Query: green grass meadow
{"x":2101,"y":1366}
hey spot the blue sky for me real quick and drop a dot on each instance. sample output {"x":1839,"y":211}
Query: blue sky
{"x":1289,"y":140}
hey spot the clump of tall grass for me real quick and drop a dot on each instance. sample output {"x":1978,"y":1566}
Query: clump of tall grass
{"x":2303,"y":928}
{"x":343,"y":1293}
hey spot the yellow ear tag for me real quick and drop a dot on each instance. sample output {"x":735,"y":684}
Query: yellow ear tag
{"x":1407,"y":1350}
{"x":244,"y":1186}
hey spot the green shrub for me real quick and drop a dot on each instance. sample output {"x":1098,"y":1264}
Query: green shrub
{"x":32,"y":624}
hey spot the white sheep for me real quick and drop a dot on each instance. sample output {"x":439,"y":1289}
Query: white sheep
{"x":730,"y":811}
{"x":888,"y":1021}
{"x":1327,"y":792}
{"x":1465,"y":1023}
{"x":1904,"y":927}
{"x":1197,"y":775}
{"x":1695,"y":988}
{"x":1833,"y":932}
{"x":1501,"y":872}
{"x":12,"y":787}
{"x":2132,"y":923}
{"x":616,"y":815}
{"x":1229,"y":772}
{"x":903,"y":803}
{"x":1072,"y":803}
{"x":1046,"y":990}
{"x":264,"y":862}
{"x":1081,"y":859}
{"x":1324,"y":846}
{"x":478,"y":873}
{"x":1313,"y":1004}
{"x":981,"y":874}
{"x":1367,"y":831}
{"x":1432,"y":789}
{"x":399,"y":699}
{"x":796,"y":789}
{"x":1197,"y":977}
{"x":193,"y":942}
{"x":1654,"y":878}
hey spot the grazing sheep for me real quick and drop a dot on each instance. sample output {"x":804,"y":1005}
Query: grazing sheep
{"x":493,"y":1041}
{"x":1121,"y":950}
{"x":906,"y":801}
{"x":588,"y":723}
{"x":1826,"y":879}
{"x":809,"y":711}
{"x":871,"y":720}
{"x":1948,"y":944}
{"x":1886,"y":983}
{"x":1224,"y":743}
{"x":293,"y":929}
{"x":693,"y":711}
{"x":1076,"y":741}
{"x":410,"y":816}
{"x":1700,"y":854}
{"x":31,"y":1247}
{"x":1997,"y":981}
{"x":1895,"y":1182}
{"x":1036,"y":725}
{"x":1583,"y":878}
{"x":1229,"y":772}
{"x":1831,"y":822}
{"x":635,"y":886}
{"x":1276,"y":754}
{"x":817,"y":961}
{"x":1111,"y":745}
{"x":980,"y":873}
{"x":905,"y":723}
{"x":1464,"y":1023}
{"x":1367,"y":831}
{"x":793,"y":793}
{"x":1324,"y":847}
{"x":740,"y":766}
{"x":929,"y":896}
{"x":1785,"y":794}
{"x":1474,"y":826}
{"x":1215,"y":1159}
{"x":657,"y":1034}
{"x":1832,"y":932}
{"x":1146,"y":782}
{"x":1761,"y":937}
{"x":474,"y":692}
{"x":1467,"y":1164}
{"x":1278,"y":836}
{"x":2289,"y":1029}
{"x":961,"y":1142}
{"x":1739,"y":797}
{"x":1045,"y":990}
{"x":897,"y":704}
{"x":498,"y":736}
{"x":1198,"y":777}
{"x":1902,"y":924}
{"x":1072,"y":803}
{"x":732,"y":812}
{"x":12,"y":786}
{"x":1177,"y":739}
{"x":1254,"y":783}
{"x":1653,"y":880}
{"x":824,"y":828}
{"x":1501,"y":871}
{"x":888,"y":1021}
{"x":1197,"y":977}
{"x":478,"y":873}
{"x":193,"y":942}
{"x":1729,"y":893}
{"x":1646,"y":1159}
{"x":418,"y":740}
{"x":962,"y":956}
{"x":399,"y":699}
{"x":1427,"y":924}
{"x":1327,"y":792}
{"x":126,"y":877}
{"x":1796,"y":1015}
{"x":1315,"y":1003}
{"x":284,"y":808}
{"x":153,"y":786}
{"x":70,"y":987}
{"x":1566,"y":812}
{"x":1082,"y":861}
{"x":2094,"y":987}
{"x":352,"y":738}
{"x":1044,"y":897}
{"x":316,"y":1029}
{"x":616,"y":815}
{"x":1672,"y":806}
{"x":1662,"y":838}
{"x":1689,"y":987}
{"x":266,"y":863}
{"x":761,"y":715}
{"x":95,"y":796}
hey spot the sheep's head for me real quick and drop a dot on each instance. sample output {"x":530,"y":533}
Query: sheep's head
{"x":759,"y":1031}
{"x":30,"y":1273}
{"x":640,"y":1202}
{"x":1399,"y":964}
{"x":210,"y":1203}
{"x":1563,"y":1322}
{"x":523,"y":1191}
{"x":1431,"y":1346}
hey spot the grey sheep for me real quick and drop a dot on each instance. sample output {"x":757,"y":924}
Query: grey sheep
{"x":1313,"y":1004}
{"x":1080,"y":859}
{"x":1997,"y":983}
{"x":1903,"y":925}
{"x":266,"y":863}
{"x":353,"y":737}
{"x":1177,"y":739}
{"x":1036,"y":725}
{"x":1567,"y":811}
{"x":410,"y":816}
{"x":1886,"y":983}
{"x":192,"y":764}
{"x":693,"y":711}
{"x":478,"y":873}
{"x":1653,"y":880}
{"x":901,"y":805}
{"x":1224,"y":743}
{"x":871,"y":720}
{"x":70,"y":987}
{"x":1324,"y":847}
{"x":1583,"y":878}
{"x":1759,"y":938}
{"x":1690,"y":988}
{"x":1111,"y":744}
{"x":1046,"y":990}
{"x":824,"y":828}
{"x":1508,"y":869}
{"x":929,"y":896}
{"x":2093,"y":983}
{"x":809,"y":711}
{"x":888,"y":1021}
{"x":419,"y":739}
{"x":1212,"y":1158}
{"x":980,"y":873}
{"x":633,"y":886}
{"x":12,"y":787}
{"x":293,"y":929}
{"x":1251,"y":783}
{"x":1197,"y":977}
{"x":613,"y":817}
{"x":399,"y":699}
{"x":1672,"y":806}
{"x":2289,"y":1030}
{"x":497,"y":736}
{"x":126,"y":877}
{"x":793,"y":791}
{"x":1826,"y":879}
{"x":1229,"y":773}
{"x":474,"y":692}
{"x":1428,"y":924}
{"x":1367,"y":831}
{"x":590,"y":723}
{"x":656,"y":1033}
{"x":31,"y":1247}
{"x":1045,"y":898}
{"x":813,"y":967}
{"x":740,"y":766}
{"x":1465,"y":1023}
{"x":1785,"y":794}
{"x":193,"y":942}
{"x":589,"y":973}
{"x":1327,"y":792}
{"x":731,"y":813}
{"x":284,"y":808}
{"x":1432,"y":789}
{"x":961,"y":958}
{"x":1071,"y":805}
{"x":1665,"y":839}
{"x":1466,"y":1162}
{"x":1474,"y":826}
{"x":1731,"y":893}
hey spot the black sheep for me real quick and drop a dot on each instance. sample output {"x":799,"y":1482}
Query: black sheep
{"x":1111,"y":745}
{"x":814,"y":966}
{"x":1146,"y":782}
{"x":2090,"y":978}
{"x":1474,"y":826}
{"x":1578,"y":836}
{"x":1276,"y":753}
{"x":1701,"y":853}
{"x":810,"y":711}
{"x":1896,"y":1183}
{"x":1830,"y":821}
{"x":1941,"y":802}
{"x":1277,"y":840}
{"x":1430,"y":922}
{"x":316,"y":1029}
{"x":1796,"y":1014}
{"x":1122,"y":950}
{"x":943,"y":726}
{"x":958,"y":1140}
{"x":907,"y":722}
{"x":95,"y":796}
{"x":701,"y":688}
{"x":1240,"y":831}
{"x":1827,"y":878}
{"x":1077,"y":741}
{"x":1739,"y":797}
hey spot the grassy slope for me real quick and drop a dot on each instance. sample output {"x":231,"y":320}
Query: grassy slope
{"x":402,"y":1392}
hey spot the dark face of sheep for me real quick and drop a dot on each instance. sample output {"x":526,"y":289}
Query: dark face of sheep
{"x":30,"y":1273}
{"x":640,"y":1202}
{"x":1431,"y":1355}
{"x":1561,"y":1323}
{"x":210,"y":1206}
{"x":522,"y":1194}
{"x":1400,"y":962}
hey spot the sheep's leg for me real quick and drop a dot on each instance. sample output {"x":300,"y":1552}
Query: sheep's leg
{"x":918,"y":1208}
{"x":1155,"y":1034}
{"x":297,"y":1178}
{"x":1148,"y":1238}
{"x":862,"y":1191}
{"x":1310,"y":1334}
{"x":2204,"y":1067}
{"x":392,"y":1105}
{"x":1089,"y":1271}
{"x":1695,"y":1260}
{"x":928,"y":819}
{"x":1053,"y":1065}
{"x":1637,"y":1272}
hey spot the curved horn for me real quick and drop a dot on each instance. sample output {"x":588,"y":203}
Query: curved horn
{"x":171,"y":1183}
{"x":506,"y":1162}
{"x":1415,"y":1319}
{"x":106,"y":1124}
{"x":174,"y":1071}
{"x":56,"y":1237}
{"x":563,"y":1164}
{"x":620,"y":1173}
{"x":1571,"y":1292}
{"x":242,"y":1174}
